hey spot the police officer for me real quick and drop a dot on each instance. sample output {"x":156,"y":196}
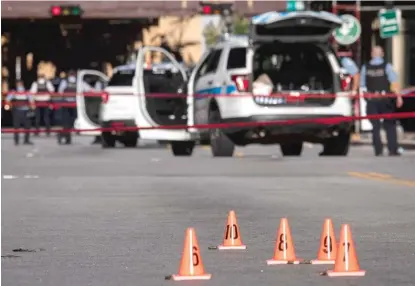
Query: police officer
{"x":42,"y":89}
{"x":21,"y":105}
{"x":99,"y":86}
{"x":350,"y":66}
{"x":67,"y":88}
{"x":377,"y":77}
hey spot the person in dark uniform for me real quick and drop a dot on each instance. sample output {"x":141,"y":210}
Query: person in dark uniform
{"x":67,"y":88}
{"x":42,"y":89}
{"x":22,"y":105}
{"x":378,"y":77}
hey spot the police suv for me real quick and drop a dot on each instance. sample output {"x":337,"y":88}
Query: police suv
{"x":291,"y":49}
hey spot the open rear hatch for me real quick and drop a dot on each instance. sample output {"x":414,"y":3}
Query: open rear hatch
{"x":292,"y":50}
{"x":301,"y":26}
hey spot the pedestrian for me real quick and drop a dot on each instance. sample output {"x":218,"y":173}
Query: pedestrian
{"x":379,"y":78}
{"x":41,"y":89}
{"x":350,"y":66}
{"x":21,"y":104}
{"x":67,"y":89}
{"x":99,"y":86}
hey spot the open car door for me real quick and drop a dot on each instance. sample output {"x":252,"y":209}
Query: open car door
{"x":300,"y":26}
{"x":88,"y":107}
{"x":162,"y":97}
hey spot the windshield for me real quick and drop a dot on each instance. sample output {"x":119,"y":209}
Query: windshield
{"x":122,"y":78}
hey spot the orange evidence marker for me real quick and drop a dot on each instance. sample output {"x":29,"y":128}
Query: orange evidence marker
{"x":328,"y":245}
{"x":232,"y":237}
{"x":346,"y":261}
{"x":191,"y":265}
{"x":284,"y":252}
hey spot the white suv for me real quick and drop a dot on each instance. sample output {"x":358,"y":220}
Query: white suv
{"x":293,"y":50}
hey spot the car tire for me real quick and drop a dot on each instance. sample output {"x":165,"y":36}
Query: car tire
{"x":337,"y":146}
{"x":130,"y":139}
{"x":108,"y":140}
{"x":293,"y":149}
{"x":182,"y":148}
{"x":220,"y":144}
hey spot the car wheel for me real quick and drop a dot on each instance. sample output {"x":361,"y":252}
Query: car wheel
{"x":108,"y":140}
{"x":220,"y":144}
{"x":182,"y":148}
{"x":130,"y":139}
{"x":293,"y":149}
{"x":337,"y":146}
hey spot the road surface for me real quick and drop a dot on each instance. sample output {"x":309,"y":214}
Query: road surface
{"x":118,"y":217}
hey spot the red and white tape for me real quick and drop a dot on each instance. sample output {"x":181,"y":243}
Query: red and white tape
{"x":325,"y":120}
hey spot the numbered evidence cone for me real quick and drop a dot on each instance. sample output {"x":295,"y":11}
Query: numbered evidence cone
{"x":346,"y":261}
{"x":191,"y":265}
{"x":232,"y":237}
{"x":328,"y":245}
{"x":284,"y":252}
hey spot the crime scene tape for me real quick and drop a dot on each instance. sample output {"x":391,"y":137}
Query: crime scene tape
{"x":327,"y":121}
{"x":41,"y":104}
{"x":295,"y":95}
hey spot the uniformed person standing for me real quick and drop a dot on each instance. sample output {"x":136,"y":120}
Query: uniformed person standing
{"x":378,"y":77}
{"x":99,"y":86}
{"x":350,"y":66}
{"x":41,"y":89}
{"x":22,"y":105}
{"x":67,"y":88}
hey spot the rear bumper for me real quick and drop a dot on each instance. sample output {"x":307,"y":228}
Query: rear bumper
{"x":120,"y":124}
{"x":309,"y":127}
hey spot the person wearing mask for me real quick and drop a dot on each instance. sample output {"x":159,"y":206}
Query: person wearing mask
{"x":67,"y":89}
{"x":378,"y":77}
{"x":21,"y":104}
{"x":41,"y":89}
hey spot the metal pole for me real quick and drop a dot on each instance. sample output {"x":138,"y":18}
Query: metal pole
{"x":388,"y":41}
{"x":358,"y":58}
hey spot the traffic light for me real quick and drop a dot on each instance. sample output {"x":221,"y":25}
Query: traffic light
{"x":223,"y":9}
{"x":66,"y":11}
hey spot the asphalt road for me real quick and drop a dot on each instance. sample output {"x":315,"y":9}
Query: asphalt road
{"x":118,"y":217}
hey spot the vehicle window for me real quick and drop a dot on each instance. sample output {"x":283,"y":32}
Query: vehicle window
{"x":237,"y":58}
{"x":214,"y":62}
{"x":210,"y":64}
{"x":122,"y":78}
{"x":204,"y":65}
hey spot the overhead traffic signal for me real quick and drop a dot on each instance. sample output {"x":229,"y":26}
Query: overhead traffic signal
{"x":66,"y":11}
{"x":223,"y":9}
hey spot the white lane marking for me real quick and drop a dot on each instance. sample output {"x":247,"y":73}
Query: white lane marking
{"x":31,"y":177}
{"x":9,"y":177}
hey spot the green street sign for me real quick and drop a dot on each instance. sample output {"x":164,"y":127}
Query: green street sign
{"x":389,"y":22}
{"x":349,"y":32}
{"x":294,"y":5}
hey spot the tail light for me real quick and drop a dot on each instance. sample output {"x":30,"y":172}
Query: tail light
{"x":241,"y":82}
{"x":345,"y":82}
{"x":105,"y":97}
